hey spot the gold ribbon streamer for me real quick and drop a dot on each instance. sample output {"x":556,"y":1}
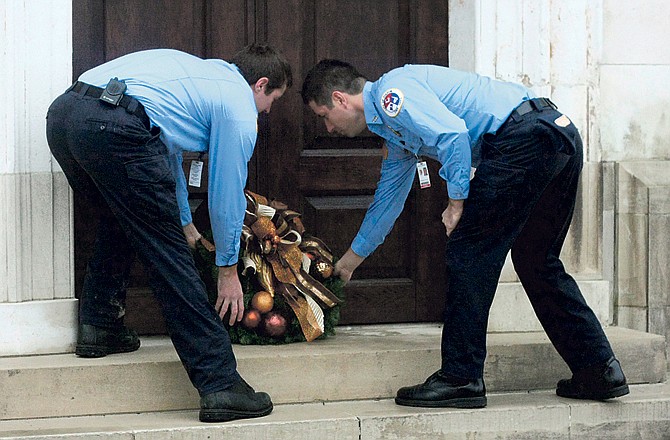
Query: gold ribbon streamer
{"x":308,"y":323}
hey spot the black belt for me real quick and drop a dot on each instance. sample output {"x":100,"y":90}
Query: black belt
{"x":132,"y":105}
{"x":532,"y":105}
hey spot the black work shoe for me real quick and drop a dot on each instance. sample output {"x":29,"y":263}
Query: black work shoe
{"x":599,"y":382}
{"x":440,"y":390}
{"x":237,"y":402}
{"x":95,"y":342}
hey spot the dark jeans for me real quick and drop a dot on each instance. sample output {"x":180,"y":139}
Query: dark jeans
{"x":521,"y":198}
{"x":115,"y":160}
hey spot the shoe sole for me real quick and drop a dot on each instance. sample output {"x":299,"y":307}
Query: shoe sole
{"x":610,"y":394}
{"x":463,"y":402}
{"x":226,"y":415}
{"x":97,"y":351}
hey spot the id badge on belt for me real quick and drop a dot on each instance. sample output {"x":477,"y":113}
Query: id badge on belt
{"x":422,"y":172}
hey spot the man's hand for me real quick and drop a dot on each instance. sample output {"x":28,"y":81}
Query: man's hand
{"x":229,"y":294}
{"x":452,"y":215}
{"x":346,"y":265}
{"x":192,"y":235}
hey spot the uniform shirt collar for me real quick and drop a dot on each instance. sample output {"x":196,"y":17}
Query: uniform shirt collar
{"x":372,"y":116}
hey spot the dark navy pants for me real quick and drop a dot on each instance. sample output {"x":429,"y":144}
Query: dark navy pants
{"x":521,"y":198}
{"x":114,"y":159}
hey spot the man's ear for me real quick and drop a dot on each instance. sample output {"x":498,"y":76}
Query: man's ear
{"x":339,"y":98}
{"x":261,"y":84}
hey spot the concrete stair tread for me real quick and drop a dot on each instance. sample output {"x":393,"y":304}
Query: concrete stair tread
{"x":644,"y":413}
{"x":366,"y":362}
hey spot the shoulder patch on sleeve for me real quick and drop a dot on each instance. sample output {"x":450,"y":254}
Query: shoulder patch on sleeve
{"x":392,"y":101}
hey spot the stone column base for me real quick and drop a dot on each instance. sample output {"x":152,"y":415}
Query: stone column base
{"x":38,"y":327}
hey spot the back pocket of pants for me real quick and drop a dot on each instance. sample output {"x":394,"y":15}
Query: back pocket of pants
{"x":499,"y":176}
{"x":565,"y":136}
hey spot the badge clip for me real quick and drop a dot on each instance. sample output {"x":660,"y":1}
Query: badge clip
{"x":195,"y":173}
{"x":422,"y":172}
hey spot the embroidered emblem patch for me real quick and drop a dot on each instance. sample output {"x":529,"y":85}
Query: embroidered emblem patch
{"x":392,"y":100}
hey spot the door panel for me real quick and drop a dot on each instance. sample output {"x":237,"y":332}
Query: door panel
{"x":330,"y":179}
{"x":337,"y":176}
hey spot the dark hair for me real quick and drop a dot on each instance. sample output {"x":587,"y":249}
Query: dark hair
{"x":262,"y":60}
{"x":328,"y":76}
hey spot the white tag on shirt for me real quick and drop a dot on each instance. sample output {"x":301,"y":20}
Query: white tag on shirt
{"x":422,"y":171}
{"x":195,"y":174}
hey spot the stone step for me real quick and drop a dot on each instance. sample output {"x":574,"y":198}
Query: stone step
{"x":367,"y":362}
{"x":512,"y":296}
{"x":643,"y":414}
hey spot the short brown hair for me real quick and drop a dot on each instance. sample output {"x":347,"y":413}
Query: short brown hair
{"x":262,"y":60}
{"x":328,"y":76}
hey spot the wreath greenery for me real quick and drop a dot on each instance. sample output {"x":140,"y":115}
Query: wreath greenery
{"x":239,"y":334}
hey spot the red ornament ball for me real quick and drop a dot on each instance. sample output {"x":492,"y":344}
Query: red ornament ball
{"x":275,"y":324}
{"x":251,"y":319}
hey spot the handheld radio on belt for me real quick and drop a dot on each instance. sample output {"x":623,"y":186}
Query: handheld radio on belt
{"x":113,"y":92}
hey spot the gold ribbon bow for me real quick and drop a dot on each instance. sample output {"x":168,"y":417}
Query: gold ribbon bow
{"x":273,"y":248}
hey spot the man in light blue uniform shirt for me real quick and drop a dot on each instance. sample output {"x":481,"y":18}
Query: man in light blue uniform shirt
{"x":119,"y":133}
{"x":528,"y":157}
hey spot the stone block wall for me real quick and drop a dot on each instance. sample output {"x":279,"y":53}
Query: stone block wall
{"x":38,"y":311}
{"x":642,"y":249}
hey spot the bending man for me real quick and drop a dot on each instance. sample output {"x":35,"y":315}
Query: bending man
{"x":119,"y":133}
{"x":521,"y":198}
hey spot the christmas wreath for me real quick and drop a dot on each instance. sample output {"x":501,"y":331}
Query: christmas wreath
{"x":290,"y":294}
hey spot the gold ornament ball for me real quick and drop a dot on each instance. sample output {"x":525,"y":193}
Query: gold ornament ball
{"x":324,"y":269}
{"x":262,"y":301}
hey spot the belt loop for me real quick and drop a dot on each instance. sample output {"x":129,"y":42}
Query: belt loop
{"x":132,"y":106}
{"x":84,"y":89}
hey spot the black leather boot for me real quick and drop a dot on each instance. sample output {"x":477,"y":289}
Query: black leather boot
{"x":95,"y":342}
{"x":598,"y":382}
{"x":237,"y":402}
{"x":440,"y":390}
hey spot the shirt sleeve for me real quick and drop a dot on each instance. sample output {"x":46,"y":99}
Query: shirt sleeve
{"x":427,"y":117}
{"x":182,"y":191}
{"x":232,"y":142}
{"x":395,"y":183}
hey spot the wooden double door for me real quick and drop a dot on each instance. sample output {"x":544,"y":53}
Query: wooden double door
{"x":329,"y":179}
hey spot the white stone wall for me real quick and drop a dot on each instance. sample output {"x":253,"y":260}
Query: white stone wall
{"x":37,"y":308}
{"x":634,"y":108}
{"x":552,"y":47}
{"x":607,"y":65}
{"x":633,"y":115}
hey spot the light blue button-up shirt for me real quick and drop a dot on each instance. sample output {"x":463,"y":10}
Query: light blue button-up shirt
{"x":201,"y":106}
{"x":431,"y":111}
